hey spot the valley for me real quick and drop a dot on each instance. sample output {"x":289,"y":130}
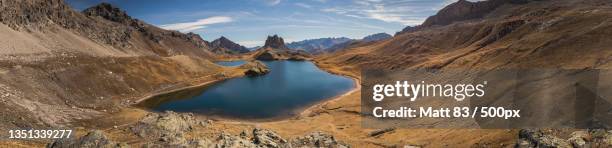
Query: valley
{"x":121,"y":82}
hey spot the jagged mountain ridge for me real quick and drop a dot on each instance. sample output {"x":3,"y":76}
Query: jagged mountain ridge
{"x":315,"y":46}
{"x":460,"y":11}
{"x":531,"y":30}
{"x":328,"y":45}
{"x":103,"y":24}
{"x":225,"y":46}
{"x":376,"y":37}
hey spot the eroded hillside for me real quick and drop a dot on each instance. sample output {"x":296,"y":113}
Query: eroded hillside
{"x":59,"y":66}
{"x":529,"y":34}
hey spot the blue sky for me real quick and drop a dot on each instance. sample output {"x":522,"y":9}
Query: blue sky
{"x":248,"y":22}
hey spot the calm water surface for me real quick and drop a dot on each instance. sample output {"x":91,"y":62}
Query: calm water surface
{"x":290,"y":87}
{"x":230,"y":63}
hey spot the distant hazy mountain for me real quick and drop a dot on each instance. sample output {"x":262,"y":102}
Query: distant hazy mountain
{"x":317,"y":45}
{"x":376,"y":37}
{"x":253,"y":48}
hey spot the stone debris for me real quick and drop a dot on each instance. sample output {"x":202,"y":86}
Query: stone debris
{"x":318,"y":139}
{"x":529,"y":138}
{"x":94,"y":139}
{"x":168,"y":129}
{"x":168,"y":123}
{"x":268,"y":138}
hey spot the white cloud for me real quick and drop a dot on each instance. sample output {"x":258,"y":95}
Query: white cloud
{"x":380,"y":13}
{"x":406,"y":12}
{"x":250,"y":43}
{"x":272,"y":2}
{"x":199,"y":24}
{"x":303,"y":5}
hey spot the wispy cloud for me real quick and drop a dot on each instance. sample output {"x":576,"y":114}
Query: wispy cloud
{"x":199,"y":24}
{"x":272,"y":2}
{"x":321,"y":1}
{"x":303,"y":5}
{"x":406,"y":12}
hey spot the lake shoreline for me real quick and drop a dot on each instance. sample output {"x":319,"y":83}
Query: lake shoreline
{"x":308,"y":109}
{"x":292,"y":115}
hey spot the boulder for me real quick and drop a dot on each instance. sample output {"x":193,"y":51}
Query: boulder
{"x":268,"y":138}
{"x":317,"y":139}
{"x":168,"y":123}
{"x":227,"y":140}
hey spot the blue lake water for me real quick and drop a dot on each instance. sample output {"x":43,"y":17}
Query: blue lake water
{"x":290,"y":87}
{"x":230,"y":63}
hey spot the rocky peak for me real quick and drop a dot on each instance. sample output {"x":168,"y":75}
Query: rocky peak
{"x":109,"y":12}
{"x":224,"y":42}
{"x":376,"y":37}
{"x":19,"y":14}
{"x":275,"y":42}
{"x":407,"y":29}
{"x":197,"y":40}
{"x":466,"y":10}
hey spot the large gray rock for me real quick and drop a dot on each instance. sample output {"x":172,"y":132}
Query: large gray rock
{"x":268,"y":138}
{"x":229,"y":141}
{"x":168,"y":123}
{"x":317,"y":139}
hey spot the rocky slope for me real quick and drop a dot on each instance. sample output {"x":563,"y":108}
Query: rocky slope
{"x":223,"y":45}
{"x":58,"y":65}
{"x":497,"y":34}
{"x":533,"y":34}
{"x":316,"y":46}
{"x":171,"y":129}
{"x":275,"y":49}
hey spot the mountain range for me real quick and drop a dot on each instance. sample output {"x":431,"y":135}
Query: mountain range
{"x":317,"y":45}
{"x":327,"y":45}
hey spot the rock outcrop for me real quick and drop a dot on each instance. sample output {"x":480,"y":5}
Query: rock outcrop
{"x":268,"y":138}
{"x":92,"y":139}
{"x":255,"y":68}
{"x":275,"y":42}
{"x":168,"y":123}
{"x":109,"y":12}
{"x":582,"y":138}
{"x":173,"y":126}
{"x":275,"y":49}
{"x":223,"y":45}
{"x":318,"y":139}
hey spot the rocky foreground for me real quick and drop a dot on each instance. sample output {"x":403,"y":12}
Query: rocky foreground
{"x":170,"y":129}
